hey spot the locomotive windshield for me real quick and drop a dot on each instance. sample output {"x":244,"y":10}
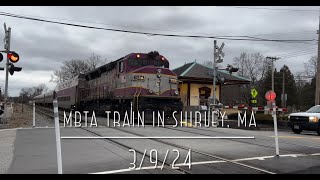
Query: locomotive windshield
{"x":148,"y":62}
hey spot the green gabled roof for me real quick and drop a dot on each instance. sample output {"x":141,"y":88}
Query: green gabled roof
{"x":197,"y":70}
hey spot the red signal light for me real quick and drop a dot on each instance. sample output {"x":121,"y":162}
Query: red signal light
{"x":13,"y":57}
{"x":138,"y":55}
{"x":270,"y":95}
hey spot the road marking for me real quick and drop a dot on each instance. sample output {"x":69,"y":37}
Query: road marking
{"x":261,"y":158}
{"x":10,"y":129}
{"x":188,"y":123}
{"x":315,"y":154}
{"x":290,"y":137}
{"x":295,"y":137}
{"x":126,"y":170}
{"x":201,"y":162}
{"x":157,"y":137}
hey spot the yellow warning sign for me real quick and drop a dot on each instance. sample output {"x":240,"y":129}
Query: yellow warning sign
{"x":254,"y":93}
{"x":254,"y":101}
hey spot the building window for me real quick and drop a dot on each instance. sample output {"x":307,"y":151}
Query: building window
{"x":121,"y":66}
{"x":204,"y":94}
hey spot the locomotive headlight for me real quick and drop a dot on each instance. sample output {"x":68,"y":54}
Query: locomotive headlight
{"x":313,"y":119}
{"x":176,"y":93}
{"x":150,"y":91}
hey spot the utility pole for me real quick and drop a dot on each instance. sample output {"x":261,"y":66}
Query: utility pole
{"x":214,"y":71}
{"x":7,"y":48}
{"x":272,"y":69}
{"x":283,"y":95}
{"x":317,"y":98}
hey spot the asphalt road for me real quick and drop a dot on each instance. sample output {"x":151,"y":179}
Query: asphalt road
{"x":35,"y":151}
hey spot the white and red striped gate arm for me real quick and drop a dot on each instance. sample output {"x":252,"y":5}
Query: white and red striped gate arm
{"x":255,"y":108}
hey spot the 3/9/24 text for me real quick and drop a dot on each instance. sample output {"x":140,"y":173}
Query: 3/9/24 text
{"x":153,"y":156}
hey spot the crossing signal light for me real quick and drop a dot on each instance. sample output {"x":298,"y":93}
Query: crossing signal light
{"x":1,"y":57}
{"x":13,"y":57}
{"x":12,"y":69}
{"x":231,"y":69}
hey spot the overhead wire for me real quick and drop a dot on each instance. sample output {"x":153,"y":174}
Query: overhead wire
{"x":157,"y":29}
{"x":242,"y":38}
{"x":275,"y":9}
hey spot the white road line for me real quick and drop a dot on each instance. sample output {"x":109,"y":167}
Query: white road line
{"x":126,"y":170}
{"x":202,"y":162}
{"x":315,"y":154}
{"x":155,"y":137}
{"x":207,"y":162}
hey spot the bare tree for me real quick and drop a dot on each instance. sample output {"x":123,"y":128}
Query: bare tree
{"x":95,"y":60}
{"x":310,"y":67}
{"x":29,"y":93}
{"x":300,"y":81}
{"x":252,"y":66}
{"x":41,"y":88}
{"x":74,"y":67}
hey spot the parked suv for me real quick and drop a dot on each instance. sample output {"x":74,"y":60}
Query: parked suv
{"x":308,"y":120}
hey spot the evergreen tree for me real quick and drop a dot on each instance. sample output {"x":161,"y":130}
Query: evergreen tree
{"x":290,"y":86}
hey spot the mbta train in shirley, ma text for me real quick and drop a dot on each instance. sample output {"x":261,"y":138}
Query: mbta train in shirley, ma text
{"x":143,"y":79}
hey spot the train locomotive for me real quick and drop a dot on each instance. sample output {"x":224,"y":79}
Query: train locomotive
{"x":141,"y":81}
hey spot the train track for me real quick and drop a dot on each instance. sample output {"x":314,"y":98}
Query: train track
{"x":168,"y":166}
{"x":118,"y":144}
{"x":234,"y":140}
{"x":246,"y":142}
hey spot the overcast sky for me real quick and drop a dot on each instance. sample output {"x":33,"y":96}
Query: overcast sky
{"x":43,"y":46}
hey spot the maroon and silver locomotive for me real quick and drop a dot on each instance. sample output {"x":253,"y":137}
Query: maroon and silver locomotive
{"x":143,"y":79}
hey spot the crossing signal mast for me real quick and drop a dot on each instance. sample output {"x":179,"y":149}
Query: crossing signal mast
{"x":12,"y":57}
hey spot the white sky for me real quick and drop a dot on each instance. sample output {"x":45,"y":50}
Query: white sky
{"x":43,"y":47}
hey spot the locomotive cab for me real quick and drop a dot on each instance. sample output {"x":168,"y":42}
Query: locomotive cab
{"x":143,"y":79}
{"x":147,"y":82}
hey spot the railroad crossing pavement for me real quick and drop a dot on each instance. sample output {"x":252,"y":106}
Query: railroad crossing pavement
{"x":35,"y":151}
{"x":6,"y":149}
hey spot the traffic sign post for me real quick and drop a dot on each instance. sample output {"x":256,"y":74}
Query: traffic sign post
{"x":254,"y":94}
{"x":271,"y":96}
